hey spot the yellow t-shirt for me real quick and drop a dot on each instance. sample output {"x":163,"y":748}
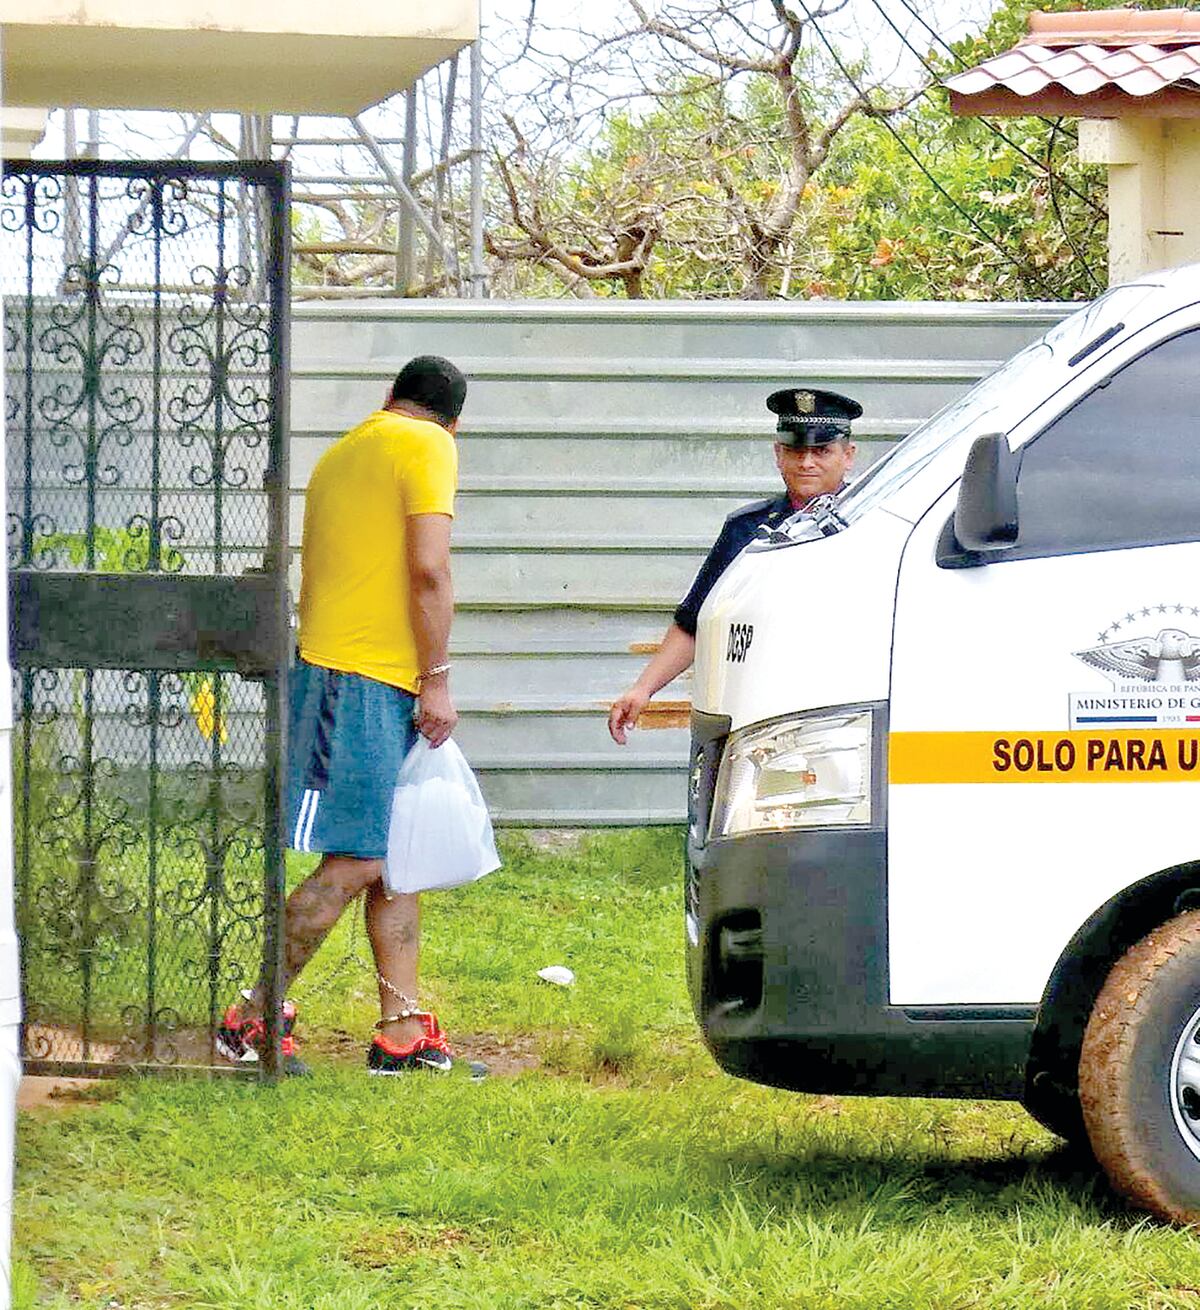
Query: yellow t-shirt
{"x":354,"y":587}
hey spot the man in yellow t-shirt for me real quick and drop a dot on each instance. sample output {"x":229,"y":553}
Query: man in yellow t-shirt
{"x":375,"y":609}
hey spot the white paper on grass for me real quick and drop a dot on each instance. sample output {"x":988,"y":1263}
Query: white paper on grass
{"x":440,"y":833}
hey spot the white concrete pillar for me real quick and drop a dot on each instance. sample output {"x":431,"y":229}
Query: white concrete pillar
{"x":10,"y":985}
{"x":1135,"y":151}
{"x":10,"y":1078}
{"x":1181,"y":186}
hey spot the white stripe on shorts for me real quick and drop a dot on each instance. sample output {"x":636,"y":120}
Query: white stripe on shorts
{"x":298,"y":835}
{"x":312,"y":814}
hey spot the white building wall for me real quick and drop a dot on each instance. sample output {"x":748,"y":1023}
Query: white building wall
{"x":271,"y":56}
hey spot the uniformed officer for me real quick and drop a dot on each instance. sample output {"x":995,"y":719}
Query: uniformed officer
{"x":814,"y":453}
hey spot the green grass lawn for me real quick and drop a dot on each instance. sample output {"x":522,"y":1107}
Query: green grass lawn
{"x":615,"y":1168}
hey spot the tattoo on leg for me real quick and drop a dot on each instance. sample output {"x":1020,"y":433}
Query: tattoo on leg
{"x":312,"y":910}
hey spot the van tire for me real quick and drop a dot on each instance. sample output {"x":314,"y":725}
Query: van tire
{"x":1127,"y":1086}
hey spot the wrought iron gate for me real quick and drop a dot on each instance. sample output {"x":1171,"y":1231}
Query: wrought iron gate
{"x":145,"y":321}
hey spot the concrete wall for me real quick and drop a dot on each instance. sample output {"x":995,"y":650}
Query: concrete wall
{"x":601,"y":448}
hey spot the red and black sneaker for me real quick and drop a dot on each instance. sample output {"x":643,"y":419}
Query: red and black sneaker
{"x":239,"y":1038}
{"x":430,"y":1051}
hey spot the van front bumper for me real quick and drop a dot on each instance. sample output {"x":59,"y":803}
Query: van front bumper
{"x":787,"y":963}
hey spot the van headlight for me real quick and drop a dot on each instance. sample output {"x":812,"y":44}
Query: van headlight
{"x":795,"y":773}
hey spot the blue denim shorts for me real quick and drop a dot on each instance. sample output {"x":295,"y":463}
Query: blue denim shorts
{"x":348,"y":736}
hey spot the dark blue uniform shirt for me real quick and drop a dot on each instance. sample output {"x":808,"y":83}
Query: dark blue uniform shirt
{"x":738,"y":531}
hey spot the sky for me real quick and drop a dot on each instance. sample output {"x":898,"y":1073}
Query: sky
{"x":860,"y":25}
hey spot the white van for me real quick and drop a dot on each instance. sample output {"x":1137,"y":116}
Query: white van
{"x":944,"y":833}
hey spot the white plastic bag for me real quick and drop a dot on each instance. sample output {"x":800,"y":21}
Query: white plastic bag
{"x":440,"y":833}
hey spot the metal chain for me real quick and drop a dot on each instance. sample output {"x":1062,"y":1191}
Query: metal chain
{"x":409,"y":1006}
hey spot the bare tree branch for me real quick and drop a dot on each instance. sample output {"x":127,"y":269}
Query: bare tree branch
{"x":734,"y":63}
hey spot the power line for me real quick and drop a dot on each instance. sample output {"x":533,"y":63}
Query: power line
{"x":1008,"y":141}
{"x":958,"y":59}
{"x":1087,"y":268}
{"x":987,"y":236}
{"x":933,"y":32}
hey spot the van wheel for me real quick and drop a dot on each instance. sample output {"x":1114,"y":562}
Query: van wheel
{"x":1139,"y":1072}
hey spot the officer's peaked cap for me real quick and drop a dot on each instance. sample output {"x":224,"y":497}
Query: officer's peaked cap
{"x":808,"y":417}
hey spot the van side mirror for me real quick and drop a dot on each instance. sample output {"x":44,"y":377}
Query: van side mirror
{"x":985,"y":517}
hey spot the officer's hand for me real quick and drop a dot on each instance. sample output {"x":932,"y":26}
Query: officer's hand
{"x":436,"y":715}
{"x":624,"y":713}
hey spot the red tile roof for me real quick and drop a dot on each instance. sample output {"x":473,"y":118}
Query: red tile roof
{"x":1099,"y":64}
{"x":1114,"y":27}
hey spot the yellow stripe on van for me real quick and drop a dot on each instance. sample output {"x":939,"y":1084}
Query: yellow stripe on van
{"x":1123,"y":755}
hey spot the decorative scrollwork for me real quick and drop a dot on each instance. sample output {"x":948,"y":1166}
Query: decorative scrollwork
{"x":151,"y":197}
{"x":44,"y":685}
{"x":14,"y":349}
{"x":141,"y":408}
{"x":14,"y":188}
{"x":232,"y":338}
{"x":92,"y":339}
{"x":42,"y":550}
{"x":176,"y":194}
{"x":150,"y":1037}
{"x":28,"y":202}
{"x":39,"y":1037}
{"x":163,"y":711}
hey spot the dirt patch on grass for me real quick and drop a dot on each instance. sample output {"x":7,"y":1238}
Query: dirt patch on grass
{"x":37,"y":1093}
{"x":64,"y":1043}
{"x":337,"y":1042}
{"x":383,"y":1247}
{"x":505,"y":1057}
{"x":557,"y":841}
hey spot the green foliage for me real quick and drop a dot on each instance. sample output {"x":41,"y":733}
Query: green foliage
{"x":662,"y":1186}
{"x":1016,"y":215}
{"x":983,"y":222}
{"x":114,"y":550}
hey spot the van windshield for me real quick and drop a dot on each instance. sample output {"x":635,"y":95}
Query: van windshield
{"x":989,"y":405}
{"x":960,"y":422}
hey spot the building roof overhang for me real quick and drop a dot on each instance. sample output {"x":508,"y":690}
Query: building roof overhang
{"x":1056,"y":102}
{"x":1104,"y":64}
{"x":269,"y":56}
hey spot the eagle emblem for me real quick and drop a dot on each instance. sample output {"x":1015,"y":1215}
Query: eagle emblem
{"x":1171,"y":657}
{"x":806,"y":402}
